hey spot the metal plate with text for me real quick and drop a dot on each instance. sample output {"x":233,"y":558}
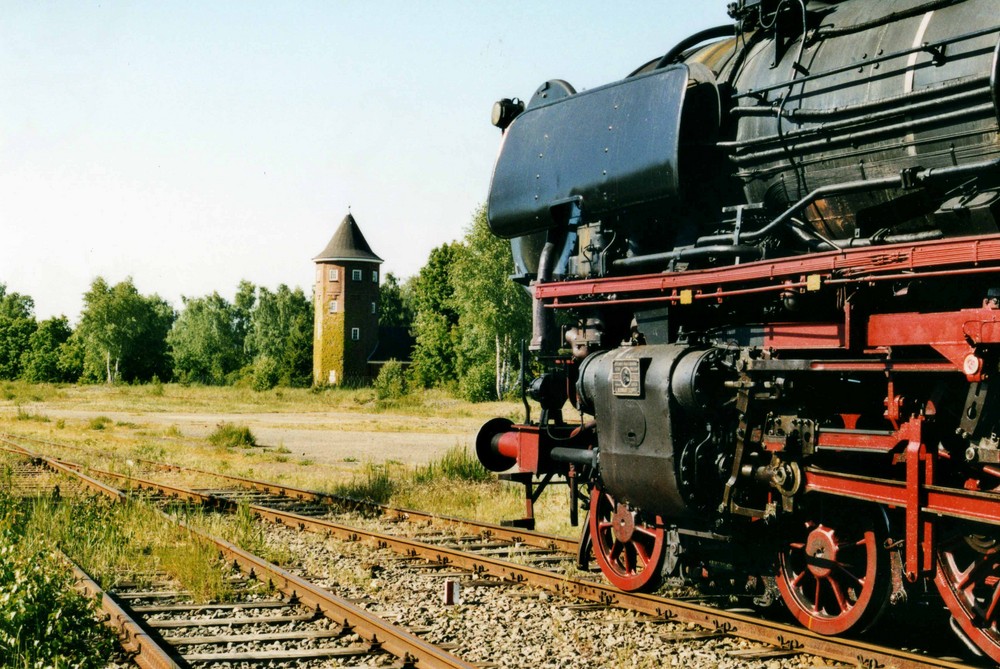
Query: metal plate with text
{"x":626,"y":380}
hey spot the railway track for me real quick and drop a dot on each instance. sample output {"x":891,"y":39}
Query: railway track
{"x":448,"y":550}
{"x":163,"y":627}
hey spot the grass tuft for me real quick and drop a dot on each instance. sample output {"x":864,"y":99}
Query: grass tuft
{"x":457,"y":464}
{"x":230,"y":435}
{"x":376,"y":485}
{"x":99,"y":422}
{"x":27,"y":415}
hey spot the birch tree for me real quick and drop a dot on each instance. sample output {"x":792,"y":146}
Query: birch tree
{"x":124,"y":334}
{"x":494,"y":313}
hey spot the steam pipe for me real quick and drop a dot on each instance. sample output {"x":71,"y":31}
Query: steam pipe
{"x":900,"y":181}
{"x":541,"y":318}
{"x":803,"y":115}
{"x":688,"y":254}
{"x":717,"y":32}
{"x":851,"y":138}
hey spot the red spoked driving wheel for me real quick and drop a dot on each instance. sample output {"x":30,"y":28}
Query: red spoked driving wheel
{"x":968,"y":578}
{"x":834,"y":573}
{"x":629,"y":551}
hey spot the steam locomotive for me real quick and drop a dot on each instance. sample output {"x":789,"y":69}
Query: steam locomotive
{"x":765,"y":270}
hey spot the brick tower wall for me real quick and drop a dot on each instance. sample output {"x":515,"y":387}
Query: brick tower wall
{"x":335,"y":349}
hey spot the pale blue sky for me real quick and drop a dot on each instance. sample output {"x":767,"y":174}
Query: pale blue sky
{"x":192,"y":144}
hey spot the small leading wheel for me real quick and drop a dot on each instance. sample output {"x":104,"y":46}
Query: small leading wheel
{"x":834,"y":573}
{"x":629,"y":551}
{"x":968,"y":578}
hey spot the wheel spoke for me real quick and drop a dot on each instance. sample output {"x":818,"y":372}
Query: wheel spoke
{"x":641,"y":553}
{"x":634,"y":564}
{"x":645,"y":530}
{"x":628,"y":563}
{"x":834,"y":574}
{"x":968,"y":577}
{"x":838,"y":594}
{"x":843,"y":570}
{"x":965,"y":579}
{"x":992,"y":609}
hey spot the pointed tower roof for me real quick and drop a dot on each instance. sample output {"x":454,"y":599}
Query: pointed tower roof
{"x":348,"y":243}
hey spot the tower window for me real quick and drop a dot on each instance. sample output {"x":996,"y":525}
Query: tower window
{"x":334,"y":307}
{"x":356,"y":274}
{"x":333,"y":275}
{"x":373,"y":307}
{"x":355,"y":334}
{"x":374,"y":276}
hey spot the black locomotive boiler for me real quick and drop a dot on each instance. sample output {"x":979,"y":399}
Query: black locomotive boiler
{"x":765,"y":270}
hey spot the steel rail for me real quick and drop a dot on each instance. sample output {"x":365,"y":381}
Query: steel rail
{"x":142,"y":648}
{"x":539,"y":539}
{"x":379,"y":633}
{"x":735,"y":624}
{"x":516,"y":535}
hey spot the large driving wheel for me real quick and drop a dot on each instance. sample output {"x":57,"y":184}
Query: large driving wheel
{"x":629,"y":551}
{"x":968,"y":578}
{"x":834,"y":573}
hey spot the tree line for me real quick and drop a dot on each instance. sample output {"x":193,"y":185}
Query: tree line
{"x":465,"y":314}
{"x":263,"y":338}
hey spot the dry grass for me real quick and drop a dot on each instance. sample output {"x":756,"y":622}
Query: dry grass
{"x":165,"y":398}
{"x":120,"y":445}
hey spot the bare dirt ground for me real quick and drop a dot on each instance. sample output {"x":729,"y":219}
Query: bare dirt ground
{"x":327,"y":437}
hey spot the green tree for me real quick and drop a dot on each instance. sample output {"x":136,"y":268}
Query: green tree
{"x":41,"y":361}
{"x":17,"y":323}
{"x":124,"y":333}
{"x":395,"y":307}
{"x":205,"y":343}
{"x":243,"y":304}
{"x":71,"y":356}
{"x":494,"y":313}
{"x":280,"y":330}
{"x":435,"y":326}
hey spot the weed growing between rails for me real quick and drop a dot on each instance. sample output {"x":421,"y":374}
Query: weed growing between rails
{"x":455,"y":485}
{"x":44,"y":623}
{"x":128,"y":542}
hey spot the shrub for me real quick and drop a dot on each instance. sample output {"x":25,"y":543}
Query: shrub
{"x":478,"y":384}
{"x":264,"y":374}
{"x":230,"y":435}
{"x":45,"y":623}
{"x":390,"y":384}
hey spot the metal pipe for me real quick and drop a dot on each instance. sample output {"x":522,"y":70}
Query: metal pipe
{"x":804,"y":115}
{"x":855,"y":137}
{"x":541,"y":319}
{"x":717,"y":32}
{"x":688,"y":254}
{"x":898,"y":181}
{"x":892,"y":100}
{"x":576,"y":456}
